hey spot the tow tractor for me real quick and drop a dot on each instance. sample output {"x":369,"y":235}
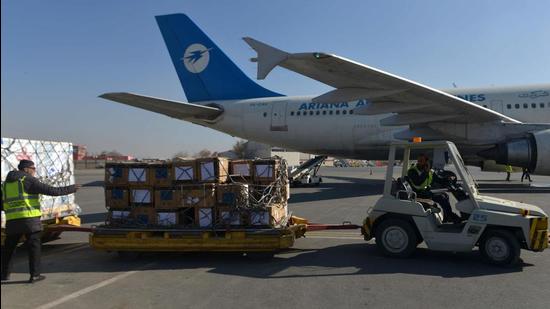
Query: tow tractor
{"x":400,"y":221}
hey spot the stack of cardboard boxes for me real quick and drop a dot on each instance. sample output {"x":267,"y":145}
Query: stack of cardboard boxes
{"x":201,"y":193}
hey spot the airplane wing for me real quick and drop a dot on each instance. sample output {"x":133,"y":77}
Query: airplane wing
{"x":385,"y":92}
{"x":174,"y":109}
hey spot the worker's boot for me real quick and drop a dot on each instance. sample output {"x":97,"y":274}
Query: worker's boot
{"x":36,"y":278}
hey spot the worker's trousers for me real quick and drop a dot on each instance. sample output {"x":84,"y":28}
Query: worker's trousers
{"x":443,"y":200}
{"x":34,"y":246}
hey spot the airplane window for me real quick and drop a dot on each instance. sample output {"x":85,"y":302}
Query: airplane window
{"x":317,"y":112}
{"x":533,"y":105}
{"x":291,"y":113}
{"x":525,"y":105}
{"x":337,"y":112}
{"x":517,"y":105}
{"x":324,"y":112}
{"x":265,"y":114}
{"x":344,"y":112}
{"x":351,"y":112}
{"x":330,"y":112}
{"x":541,"y":105}
{"x":310,"y":113}
{"x":297,"y":113}
{"x":509,"y":106}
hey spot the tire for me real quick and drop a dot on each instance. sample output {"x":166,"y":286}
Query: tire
{"x":396,"y":238}
{"x":500,"y":247}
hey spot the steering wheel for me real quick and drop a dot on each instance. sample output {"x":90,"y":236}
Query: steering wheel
{"x":451,"y":182}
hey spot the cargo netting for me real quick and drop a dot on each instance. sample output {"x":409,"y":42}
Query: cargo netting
{"x":54,"y":166}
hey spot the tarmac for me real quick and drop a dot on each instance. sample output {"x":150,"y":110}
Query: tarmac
{"x":327,"y":269}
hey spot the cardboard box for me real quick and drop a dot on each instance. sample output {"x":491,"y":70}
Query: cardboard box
{"x":229,"y":216}
{"x":205,"y":217}
{"x":116,"y":174}
{"x":213,"y":170}
{"x":141,"y":196}
{"x":139,"y":174}
{"x":272,"y":216}
{"x":188,"y":217}
{"x":116,"y":197}
{"x":184,"y":171}
{"x":167,"y":198}
{"x":119,"y":216}
{"x":167,"y":218}
{"x":162,"y":174}
{"x":241,"y":170}
{"x":232,"y":194}
{"x":265,"y":171}
{"x":144,"y":216}
{"x":198,"y":195}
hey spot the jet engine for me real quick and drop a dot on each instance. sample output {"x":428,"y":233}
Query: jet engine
{"x":531,"y":151}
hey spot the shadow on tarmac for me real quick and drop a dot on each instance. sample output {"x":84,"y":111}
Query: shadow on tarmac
{"x":93,"y":218}
{"x":341,"y":260}
{"x":349,"y":187}
{"x":97,"y":183}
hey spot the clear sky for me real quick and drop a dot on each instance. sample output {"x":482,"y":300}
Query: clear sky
{"x":58,"y":56}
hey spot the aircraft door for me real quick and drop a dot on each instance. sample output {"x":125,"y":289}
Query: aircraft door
{"x":278,"y":116}
{"x":496,"y":105}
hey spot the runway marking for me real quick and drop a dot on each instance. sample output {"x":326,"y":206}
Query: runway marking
{"x":91,"y":288}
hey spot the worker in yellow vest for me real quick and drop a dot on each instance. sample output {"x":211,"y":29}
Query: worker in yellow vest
{"x":21,"y":204}
{"x":509,"y":170}
{"x":421,"y":178}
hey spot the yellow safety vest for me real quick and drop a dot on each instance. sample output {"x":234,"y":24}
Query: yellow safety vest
{"x":427,"y":182}
{"x":509,"y":169}
{"x":18,"y":204}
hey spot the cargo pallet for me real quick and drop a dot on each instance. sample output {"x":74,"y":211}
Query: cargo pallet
{"x":195,"y":240}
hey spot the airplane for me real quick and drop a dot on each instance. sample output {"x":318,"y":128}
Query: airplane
{"x":367,"y":109}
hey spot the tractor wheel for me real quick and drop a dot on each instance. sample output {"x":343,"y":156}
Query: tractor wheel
{"x":396,"y":238}
{"x":500,"y":247}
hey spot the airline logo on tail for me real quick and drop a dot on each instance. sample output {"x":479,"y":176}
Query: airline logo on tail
{"x":196,"y":58}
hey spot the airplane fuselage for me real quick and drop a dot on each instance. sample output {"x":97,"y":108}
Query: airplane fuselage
{"x":333,"y":129}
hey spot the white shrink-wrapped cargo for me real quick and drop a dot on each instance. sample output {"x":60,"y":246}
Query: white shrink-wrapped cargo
{"x":54,"y":166}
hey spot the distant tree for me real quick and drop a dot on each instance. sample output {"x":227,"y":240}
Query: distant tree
{"x":240,"y":149}
{"x":112,"y":153}
{"x":203,"y":153}
{"x":181,"y":154}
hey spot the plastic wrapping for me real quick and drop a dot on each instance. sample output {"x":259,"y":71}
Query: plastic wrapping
{"x":54,"y":166}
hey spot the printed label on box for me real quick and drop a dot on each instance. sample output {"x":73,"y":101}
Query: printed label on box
{"x":119,"y":215}
{"x":242,"y":169}
{"x":205,"y":217}
{"x":141,"y":196}
{"x":207,"y":171}
{"x":137,"y":175}
{"x":166,"y":218}
{"x":184,"y":173}
{"x":229,"y":217}
{"x":259,"y":218}
{"x":264,"y":170}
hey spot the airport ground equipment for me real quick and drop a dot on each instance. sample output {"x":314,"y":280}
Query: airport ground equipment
{"x":399,"y":221}
{"x":268,"y":240}
{"x":306,"y":173}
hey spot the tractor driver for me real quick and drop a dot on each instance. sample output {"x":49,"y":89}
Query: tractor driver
{"x":421,"y":177}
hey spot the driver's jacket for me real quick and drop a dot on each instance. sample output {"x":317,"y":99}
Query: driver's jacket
{"x":420,"y":180}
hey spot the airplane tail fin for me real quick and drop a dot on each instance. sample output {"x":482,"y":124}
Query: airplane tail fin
{"x":205,"y":72}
